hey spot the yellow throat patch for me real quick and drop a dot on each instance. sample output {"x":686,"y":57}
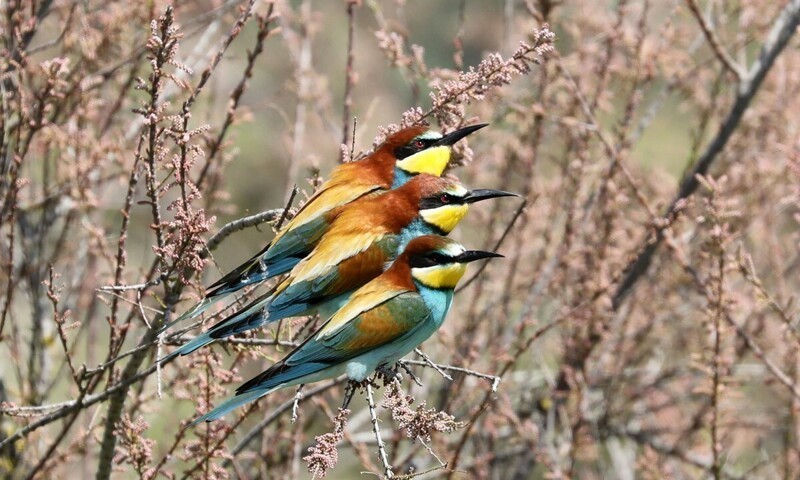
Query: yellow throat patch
{"x":440,"y":276}
{"x":445,"y":217}
{"x":432,"y":161}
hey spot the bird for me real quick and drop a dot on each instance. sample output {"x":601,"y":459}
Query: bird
{"x":403,"y":155}
{"x":383,"y":321}
{"x":362,"y":237}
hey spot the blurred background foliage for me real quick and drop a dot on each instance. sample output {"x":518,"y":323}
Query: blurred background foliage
{"x":693,"y":374}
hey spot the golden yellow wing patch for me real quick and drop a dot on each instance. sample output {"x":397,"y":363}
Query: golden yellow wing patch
{"x":369,"y":296}
{"x":334,"y":248}
{"x":326,"y":200}
{"x":375,"y":327}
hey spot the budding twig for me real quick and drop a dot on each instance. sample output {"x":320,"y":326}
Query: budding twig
{"x":441,"y":369}
{"x":387,"y":468}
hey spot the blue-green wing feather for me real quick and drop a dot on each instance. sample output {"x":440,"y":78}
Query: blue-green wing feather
{"x":275,"y":259}
{"x":392,"y":321}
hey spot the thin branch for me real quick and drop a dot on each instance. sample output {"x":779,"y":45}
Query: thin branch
{"x":241,"y":224}
{"x":297,"y":397}
{"x":264,"y":29}
{"x":288,"y":206}
{"x":427,"y":361}
{"x":387,"y":468}
{"x":81,"y":403}
{"x":716,"y":444}
{"x":234,"y":32}
{"x":124,"y":288}
{"x":729,"y":63}
{"x":494,"y":379}
{"x":349,"y":78}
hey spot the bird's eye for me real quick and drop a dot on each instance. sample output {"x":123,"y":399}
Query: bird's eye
{"x":445,"y":198}
{"x":419,"y":144}
{"x":434,"y":257}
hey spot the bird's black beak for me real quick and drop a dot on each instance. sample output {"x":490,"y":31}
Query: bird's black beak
{"x":483,"y":194}
{"x":454,"y":136}
{"x":473,"y":255}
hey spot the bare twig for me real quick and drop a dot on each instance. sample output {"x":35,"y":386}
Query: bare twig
{"x":123,"y":288}
{"x":264,"y":29}
{"x":729,"y":63}
{"x":298,"y":396}
{"x":387,"y":468}
{"x":242,"y":223}
{"x":287,"y":207}
{"x":349,"y":77}
{"x":442,"y":369}
{"x":427,"y":361}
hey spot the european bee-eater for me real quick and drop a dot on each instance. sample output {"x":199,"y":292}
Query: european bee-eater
{"x":382,"y":322}
{"x":362,"y":237}
{"x":403,"y":155}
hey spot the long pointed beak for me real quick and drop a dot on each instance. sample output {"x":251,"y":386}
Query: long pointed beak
{"x":473,"y":255}
{"x":457,"y":135}
{"x":484,"y":194}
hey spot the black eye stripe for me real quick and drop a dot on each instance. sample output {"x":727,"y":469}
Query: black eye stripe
{"x":438,"y":257}
{"x":439,"y":200}
{"x":411,"y":148}
{"x":420,"y":262}
{"x":428,"y":260}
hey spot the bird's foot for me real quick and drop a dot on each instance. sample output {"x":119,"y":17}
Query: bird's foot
{"x":410,"y":373}
{"x":390,"y":374}
{"x":351,"y":387}
{"x":349,"y":391}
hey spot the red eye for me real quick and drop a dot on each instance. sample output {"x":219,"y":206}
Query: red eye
{"x":444,"y":198}
{"x":419,"y":144}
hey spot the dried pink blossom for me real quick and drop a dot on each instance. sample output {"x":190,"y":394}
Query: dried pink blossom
{"x":324,"y":455}
{"x":133,"y":447}
{"x":419,"y":422}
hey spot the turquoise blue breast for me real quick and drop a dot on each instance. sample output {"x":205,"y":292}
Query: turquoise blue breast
{"x":400,"y":177}
{"x":416,"y":228}
{"x":438,"y":302}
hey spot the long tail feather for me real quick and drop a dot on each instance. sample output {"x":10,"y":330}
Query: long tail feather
{"x":197,"y":342}
{"x":230,"y":405}
{"x":278,"y":376}
{"x":225,"y":289}
{"x":251,"y":316}
{"x":250,"y":277}
{"x":230,"y":326}
{"x":257,"y":391}
{"x":242,"y":270}
{"x":222,"y":289}
{"x":193,"y":312}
